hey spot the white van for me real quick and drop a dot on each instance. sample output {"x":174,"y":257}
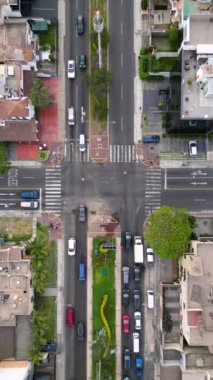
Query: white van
{"x":71,"y":116}
{"x":82,"y":143}
{"x":150,"y":299}
{"x":136,"y":343}
{"x":29,"y":204}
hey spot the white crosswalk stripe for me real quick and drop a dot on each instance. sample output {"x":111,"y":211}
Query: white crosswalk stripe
{"x":152,"y":190}
{"x":122,"y":153}
{"x":53,"y":190}
{"x":76,"y":155}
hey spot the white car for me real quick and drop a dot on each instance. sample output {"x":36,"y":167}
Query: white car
{"x":71,"y":116}
{"x":193,"y":148}
{"x":82,"y":143}
{"x":71,"y":69}
{"x":150,"y":255}
{"x":137,"y":319}
{"x":71,"y":246}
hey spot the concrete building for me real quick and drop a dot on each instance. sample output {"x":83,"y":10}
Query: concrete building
{"x":189,"y":305}
{"x":16,"y":291}
{"x":197,"y":68}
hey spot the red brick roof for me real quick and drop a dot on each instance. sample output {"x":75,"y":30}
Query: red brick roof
{"x":19,"y":130}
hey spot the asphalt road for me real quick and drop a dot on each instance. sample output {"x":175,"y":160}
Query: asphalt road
{"x":76,"y":91}
{"x":189,"y":188}
{"x":122,"y":66}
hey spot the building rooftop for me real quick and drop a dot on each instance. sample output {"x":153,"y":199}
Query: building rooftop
{"x":15,"y":284}
{"x":197,"y":294}
{"x":15,"y":41}
{"x":197,"y":69}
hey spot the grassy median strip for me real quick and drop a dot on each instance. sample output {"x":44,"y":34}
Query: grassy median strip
{"x":103,"y":285}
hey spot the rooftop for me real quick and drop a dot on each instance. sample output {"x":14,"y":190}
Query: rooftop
{"x":197,"y":69}
{"x":197,"y":294}
{"x":15,"y":41}
{"x":15,"y":284}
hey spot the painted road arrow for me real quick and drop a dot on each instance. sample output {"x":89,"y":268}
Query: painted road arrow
{"x":198,"y":183}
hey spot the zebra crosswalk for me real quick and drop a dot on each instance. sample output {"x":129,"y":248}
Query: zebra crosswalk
{"x":153,"y":180}
{"x":117,"y":153}
{"x":122,"y":153}
{"x":53,"y":190}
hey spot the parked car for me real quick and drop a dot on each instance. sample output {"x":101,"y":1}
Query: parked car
{"x":125,"y":271}
{"x":127,"y":359}
{"x":80,"y":331}
{"x":82,"y":213}
{"x":126,"y":324}
{"x":193,"y":148}
{"x":50,"y":347}
{"x":126,"y":378}
{"x":82,"y":61}
{"x":125,"y":297}
{"x":137,"y":299}
{"x":137,"y":319}
{"x":70,"y":317}
{"x":30,"y":194}
{"x":150,"y":255}
{"x":71,"y":69}
{"x":151,"y":139}
{"x":71,"y":246}
{"x":138,"y":367}
{"x":137,"y":273}
{"x":80,"y":25}
{"x":128,"y":240}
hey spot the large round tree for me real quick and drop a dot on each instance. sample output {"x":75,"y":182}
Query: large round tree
{"x":168,"y":231}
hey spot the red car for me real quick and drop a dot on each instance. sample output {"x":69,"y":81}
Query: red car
{"x":126,"y":324}
{"x":70,"y":316}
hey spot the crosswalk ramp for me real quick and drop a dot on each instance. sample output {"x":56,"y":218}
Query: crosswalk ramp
{"x":122,"y":153}
{"x":53,"y":190}
{"x":153,"y":185}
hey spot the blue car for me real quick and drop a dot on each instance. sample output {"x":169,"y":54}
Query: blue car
{"x":138,"y":367}
{"x":30,"y":194}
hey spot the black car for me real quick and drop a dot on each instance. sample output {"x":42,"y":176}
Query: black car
{"x":80,"y":331}
{"x":125,"y":297}
{"x":137,"y":299}
{"x":127,"y":359}
{"x":137,"y":273}
{"x":128,"y":240}
{"x":80,"y":25}
{"x":82,"y":213}
{"x":82,"y":61}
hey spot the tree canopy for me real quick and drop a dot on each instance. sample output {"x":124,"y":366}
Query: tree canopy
{"x":40,"y":94}
{"x":4,"y":163}
{"x":168,"y":231}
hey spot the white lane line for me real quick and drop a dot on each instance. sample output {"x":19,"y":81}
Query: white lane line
{"x":121,"y":25}
{"x":122,"y":60}
{"x":53,"y":170}
{"x":153,"y":192}
{"x":52,"y":196}
{"x":165,"y":180}
{"x":110,"y":153}
{"x":122,"y":123}
{"x":122,"y":92}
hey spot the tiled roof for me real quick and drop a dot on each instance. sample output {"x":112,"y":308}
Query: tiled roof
{"x":19,"y":131}
{"x":14,"y":108}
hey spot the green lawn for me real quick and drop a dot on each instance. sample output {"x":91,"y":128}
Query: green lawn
{"x":47,"y":306}
{"x":48,"y":38}
{"x":103,"y":283}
